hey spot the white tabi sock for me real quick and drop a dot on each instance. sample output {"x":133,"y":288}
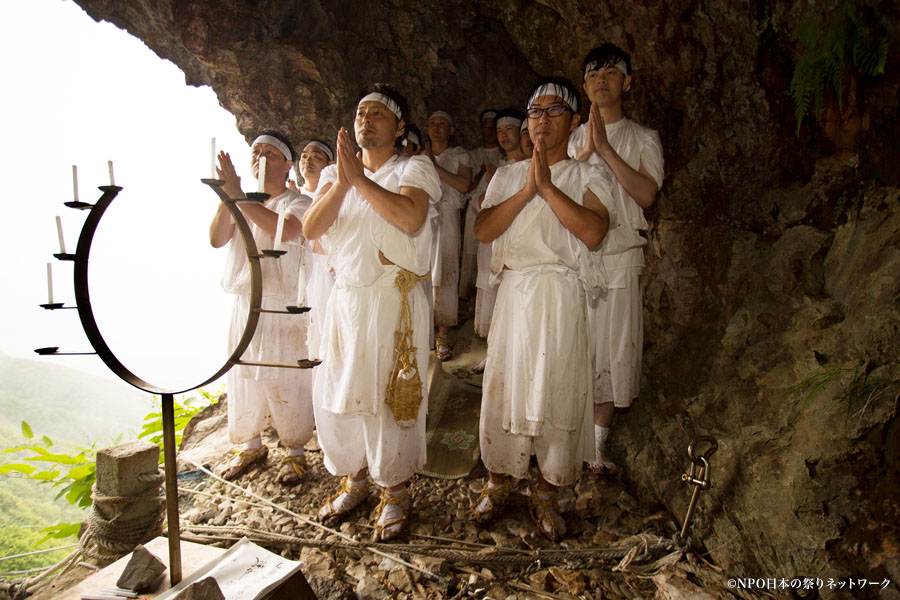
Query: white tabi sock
{"x":392,"y":511}
{"x":254,"y":444}
{"x":485,"y":503}
{"x":295,"y":452}
{"x":600,"y":460}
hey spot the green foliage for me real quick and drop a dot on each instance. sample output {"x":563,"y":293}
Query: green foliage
{"x":862,"y":388}
{"x":184,"y":409}
{"x":72,"y":471}
{"x":828,"y":47}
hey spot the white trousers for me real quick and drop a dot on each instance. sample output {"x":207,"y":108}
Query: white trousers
{"x":616,"y":322}
{"x":446,"y":295}
{"x":284,"y":403}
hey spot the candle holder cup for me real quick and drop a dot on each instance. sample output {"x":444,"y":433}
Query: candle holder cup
{"x":274,"y":253}
{"x":53,"y":306}
{"x":77,"y":204}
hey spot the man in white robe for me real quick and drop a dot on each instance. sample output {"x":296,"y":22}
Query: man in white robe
{"x":316,"y":155}
{"x":509,"y":125}
{"x":259,"y":396}
{"x":488,"y":153}
{"x":634,"y":155}
{"x":543,"y":216}
{"x":453,"y":166}
{"x":370,"y":213}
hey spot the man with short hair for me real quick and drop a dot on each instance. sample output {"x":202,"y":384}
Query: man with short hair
{"x":543,"y":217}
{"x":509,"y":124}
{"x":527,"y":146}
{"x":316,"y":155}
{"x":370,"y":212}
{"x":488,"y":153}
{"x":259,"y":396}
{"x":453,"y":166}
{"x":634,"y":155}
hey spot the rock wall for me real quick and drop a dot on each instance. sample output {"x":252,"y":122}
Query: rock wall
{"x":754,"y":298}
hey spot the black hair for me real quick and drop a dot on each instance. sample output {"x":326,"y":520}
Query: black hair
{"x":562,"y":82}
{"x":511,"y":112}
{"x":318,"y":141}
{"x":485,"y":111}
{"x":283,"y":139}
{"x":607,"y":55}
{"x":392,"y":93}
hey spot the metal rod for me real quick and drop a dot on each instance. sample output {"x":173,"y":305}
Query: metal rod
{"x":690,"y":511}
{"x":168,"y":416}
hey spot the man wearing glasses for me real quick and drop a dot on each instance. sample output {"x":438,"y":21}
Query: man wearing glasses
{"x":543,"y":217}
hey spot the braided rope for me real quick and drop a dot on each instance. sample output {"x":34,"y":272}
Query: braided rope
{"x":109,"y":539}
{"x":404,"y":389}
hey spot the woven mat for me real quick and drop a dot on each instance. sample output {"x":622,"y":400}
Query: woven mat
{"x":454,"y":405}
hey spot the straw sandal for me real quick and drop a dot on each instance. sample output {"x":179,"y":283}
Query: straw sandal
{"x":496,"y":501}
{"x":331,"y":516}
{"x":604,"y":467}
{"x":443,"y":351}
{"x":243,"y":460}
{"x":542,"y":511}
{"x":291,"y":470}
{"x":386,"y":531}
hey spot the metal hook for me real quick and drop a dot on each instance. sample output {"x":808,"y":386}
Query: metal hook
{"x":698,"y":476}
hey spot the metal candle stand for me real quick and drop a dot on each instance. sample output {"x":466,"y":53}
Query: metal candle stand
{"x":83,"y":304}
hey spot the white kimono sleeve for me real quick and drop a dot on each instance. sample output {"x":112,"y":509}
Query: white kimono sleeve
{"x":420,"y":173}
{"x":652,"y":155}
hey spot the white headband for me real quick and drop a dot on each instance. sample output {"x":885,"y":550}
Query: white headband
{"x":443,"y":115}
{"x":491,"y":114}
{"x":509,"y":121}
{"x":413,"y":138}
{"x":594,"y":65}
{"x":321,"y":147}
{"x":553,"y":89}
{"x":524,"y":126}
{"x":273,"y":141}
{"x":377,"y":97}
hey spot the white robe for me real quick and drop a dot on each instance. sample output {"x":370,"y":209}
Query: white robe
{"x":615,"y":317}
{"x":355,"y":426}
{"x":537,"y":381}
{"x":467,"y":270}
{"x":446,"y":292}
{"x":486,"y":292}
{"x":260,"y":395}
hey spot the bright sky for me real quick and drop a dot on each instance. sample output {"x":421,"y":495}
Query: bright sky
{"x":78,"y":92}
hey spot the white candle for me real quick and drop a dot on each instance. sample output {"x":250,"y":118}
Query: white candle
{"x":112,"y":179}
{"x":279,"y":228}
{"x":301,"y":284}
{"x":213,"y":163}
{"x":261,"y":175}
{"x":49,"y":283}
{"x":75,"y":181}
{"x":59,"y":233}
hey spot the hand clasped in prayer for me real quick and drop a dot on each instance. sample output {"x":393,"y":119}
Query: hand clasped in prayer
{"x":349,"y":164}
{"x":226,"y":172}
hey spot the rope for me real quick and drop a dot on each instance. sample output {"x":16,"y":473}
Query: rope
{"x":404,"y":389}
{"x":109,"y":539}
{"x":630,"y":550}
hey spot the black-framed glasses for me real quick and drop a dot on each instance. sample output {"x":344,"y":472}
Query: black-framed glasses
{"x":552,"y":111}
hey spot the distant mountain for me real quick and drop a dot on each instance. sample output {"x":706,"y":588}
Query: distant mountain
{"x":67,"y":404}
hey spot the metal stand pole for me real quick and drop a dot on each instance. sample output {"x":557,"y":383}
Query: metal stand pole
{"x":168,"y":416}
